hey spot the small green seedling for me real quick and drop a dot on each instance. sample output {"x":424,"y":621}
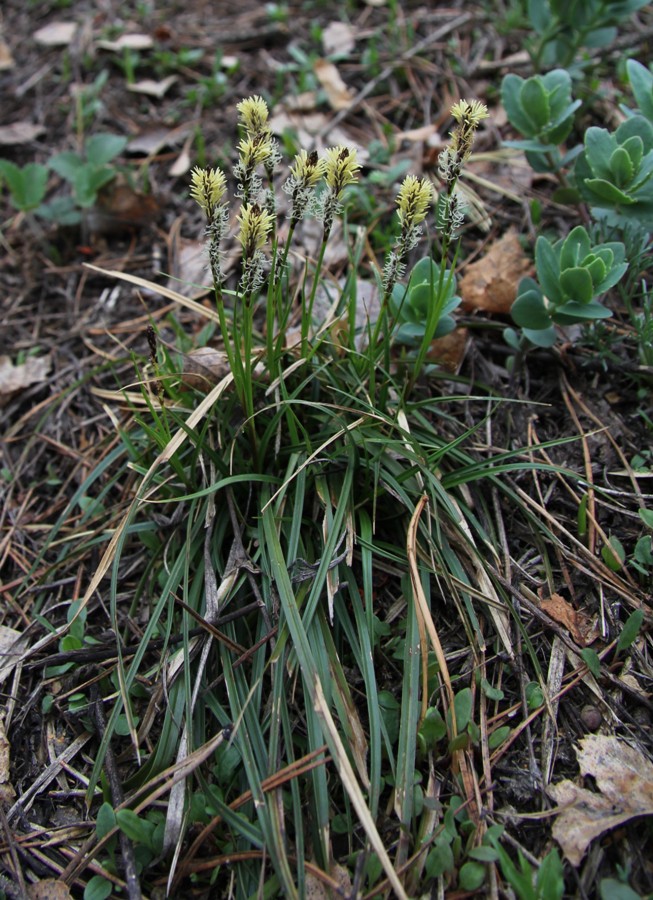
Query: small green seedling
{"x":87,"y":173}
{"x":542,"y":110}
{"x":641,"y":83}
{"x":27,"y":184}
{"x":614,"y":173}
{"x":563,"y":27}
{"x":428,"y":287}
{"x":571,"y":275}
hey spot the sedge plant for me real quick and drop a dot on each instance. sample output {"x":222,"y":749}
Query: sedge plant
{"x":270,"y":509}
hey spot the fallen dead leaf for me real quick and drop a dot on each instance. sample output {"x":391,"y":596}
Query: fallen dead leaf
{"x":5,"y":753}
{"x":152,"y":88}
{"x":9,"y":654}
{"x":49,"y":889}
{"x":491,"y":282}
{"x":152,"y":141}
{"x":338,"y":94}
{"x":56,"y":34}
{"x":16,"y":378}
{"x":127,"y":42}
{"x":204,"y":367}
{"x":625,"y":781}
{"x":338,"y":37}
{"x":19,"y":132}
{"x":6,"y":59}
{"x":423,"y":133}
{"x":578,"y":624}
{"x":181,"y":165}
{"x":449,"y":351}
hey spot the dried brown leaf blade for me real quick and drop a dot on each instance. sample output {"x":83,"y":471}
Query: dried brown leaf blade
{"x":491,"y":282}
{"x":56,"y":34}
{"x":19,"y":132}
{"x":16,"y":378}
{"x":338,"y":94}
{"x":624,"y":777}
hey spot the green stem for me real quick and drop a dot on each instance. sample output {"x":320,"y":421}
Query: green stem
{"x":307,"y":311}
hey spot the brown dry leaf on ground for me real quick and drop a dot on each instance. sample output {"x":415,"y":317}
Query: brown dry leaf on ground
{"x":6,"y":59}
{"x":153,"y":88}
{"x":338,"y":37}
{"x":625,"y":778}
{"x":579,"y":625}
{"x":19,"y":132}
{"x":7,"y":792}
{"x":338,"y":94}
{"x":49,"y":889}
{"x":56,"y":34}
{"x":16,"y":378}
{"x":491,"y":282}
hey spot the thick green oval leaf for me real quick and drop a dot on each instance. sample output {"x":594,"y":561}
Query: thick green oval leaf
{"x":636,"y":125}
{"x":575,"y":247}
{"x":641,"y":82}
{"x":572,"y":313}
{"x":547,"y":263}
{"x":529,"y":311}
{"x":577,"y":284}
{"x":607,"y":192}
{"x":546,"y":337}
{"x":510,"y":98}
{"x":597,"y":269}
{"x":535,"y":102}
{"x":599,"y":144}
{"x":621,"y":167}
{"x":634,"y":147}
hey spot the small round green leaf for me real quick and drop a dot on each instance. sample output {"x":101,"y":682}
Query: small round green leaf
{"x":471,"y":876}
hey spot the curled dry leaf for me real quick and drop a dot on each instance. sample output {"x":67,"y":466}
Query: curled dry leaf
{"x":338,"y":94}
{"x":449,"y":351}
{"x":338,"y":37}
{"x":580,"y":626}
{"x":56,"y":34}
{"x":49,"y":889}
{"x":19,"y":132}
{"x":491,"y":282}
{"x":6,"y":59}
{"x":204,"y":367}
{"x":14,"y":379}
{"x":625,"y":781}
{"x":153,"y":88}
{"x":128,"y":42}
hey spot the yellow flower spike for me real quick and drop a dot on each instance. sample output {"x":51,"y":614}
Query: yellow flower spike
{"x":255,"y":226}
{"x":308,"y":168}
{"x":413,"y":200}
{"x":340,"y":168}
{"x":254,"y":150}
{"x":468,"y":113}
{"x":207,"y":187}
{"x":253,"y":115}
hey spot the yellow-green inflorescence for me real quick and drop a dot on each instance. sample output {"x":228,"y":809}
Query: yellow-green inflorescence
{"x":341,"y":168}
{"x":256,"y":224}
{"x":258,"y":147}
{"x":208,"y":187}
{"x":468,"y":116}
{"x":413,"y":202}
